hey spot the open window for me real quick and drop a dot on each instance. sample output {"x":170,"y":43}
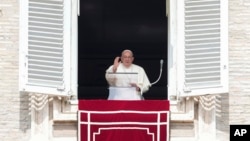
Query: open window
{"x":197,"y":47}
{"x":48,"y":47}
{"x":106,"y":27}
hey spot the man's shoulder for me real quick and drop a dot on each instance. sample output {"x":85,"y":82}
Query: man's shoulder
{"x":137,"y":66}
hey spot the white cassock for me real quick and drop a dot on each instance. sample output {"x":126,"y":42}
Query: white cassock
{"x":120,"y":82}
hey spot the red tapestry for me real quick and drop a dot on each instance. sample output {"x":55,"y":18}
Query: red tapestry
{"x":113,"y":120}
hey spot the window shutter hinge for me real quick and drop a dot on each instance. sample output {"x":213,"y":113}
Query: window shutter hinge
{"x":70,"y":93}
{"x":225,"y":67}
{"x":187,"y":90}
{"x":61,"y":88}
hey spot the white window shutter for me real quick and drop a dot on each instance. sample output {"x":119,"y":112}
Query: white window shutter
{"x":45,"y":61}
{"x":204,"y":68}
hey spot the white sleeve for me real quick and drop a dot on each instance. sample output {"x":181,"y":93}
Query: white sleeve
{"x":143,"y":81}
{"x":111,"y":81}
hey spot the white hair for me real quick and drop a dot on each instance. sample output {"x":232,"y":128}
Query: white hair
{"x":127,"y":50}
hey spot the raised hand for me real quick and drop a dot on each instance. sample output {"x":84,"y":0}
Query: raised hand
{"x":116,"y":63}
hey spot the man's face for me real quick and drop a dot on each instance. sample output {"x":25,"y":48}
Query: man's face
{"x":127,"y":59}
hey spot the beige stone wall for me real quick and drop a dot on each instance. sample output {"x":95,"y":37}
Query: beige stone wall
{"x":14,"y":112}
{"x":222,"y":117}
{"x":239,"y":61}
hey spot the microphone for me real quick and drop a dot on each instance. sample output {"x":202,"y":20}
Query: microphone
{"x":161,"y":62}
{"x":161,"y":65}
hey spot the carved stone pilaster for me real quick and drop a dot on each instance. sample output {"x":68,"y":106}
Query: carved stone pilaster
{"x":40,"y":120}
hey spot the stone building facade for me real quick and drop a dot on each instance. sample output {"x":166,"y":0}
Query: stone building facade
{"x":26,"y":117}
{"x":15,"y":122}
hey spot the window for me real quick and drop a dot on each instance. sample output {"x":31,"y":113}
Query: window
{"x":48,"y":47}
{"x":108,"y":27}
{"x":197,"y":48}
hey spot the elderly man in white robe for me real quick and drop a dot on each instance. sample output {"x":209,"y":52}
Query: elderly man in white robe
{"x":127,"y":81}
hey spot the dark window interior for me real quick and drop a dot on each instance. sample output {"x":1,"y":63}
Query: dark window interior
{"x":106,"y":27}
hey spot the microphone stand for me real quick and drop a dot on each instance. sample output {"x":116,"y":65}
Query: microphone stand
{"x":161,"y":63}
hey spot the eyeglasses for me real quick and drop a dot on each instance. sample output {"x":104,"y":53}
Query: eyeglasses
{"x":127,"y":57}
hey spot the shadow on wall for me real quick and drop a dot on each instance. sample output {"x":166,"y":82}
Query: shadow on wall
{"x":25,"y":112}
{"x":222,"y":116}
